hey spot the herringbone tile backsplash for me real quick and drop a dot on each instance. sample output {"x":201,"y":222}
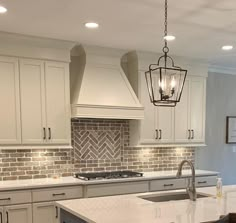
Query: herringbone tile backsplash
{"x":102,"y":145}
{"x":99,"y":145}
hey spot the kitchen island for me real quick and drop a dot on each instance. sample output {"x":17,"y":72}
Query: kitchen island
{"x":133,"y":209}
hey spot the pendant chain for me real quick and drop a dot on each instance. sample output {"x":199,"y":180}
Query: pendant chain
{"x":166,"y":5}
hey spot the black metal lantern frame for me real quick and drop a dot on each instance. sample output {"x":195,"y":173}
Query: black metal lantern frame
{"x":165,"y":81}
{"x":165,"y":84}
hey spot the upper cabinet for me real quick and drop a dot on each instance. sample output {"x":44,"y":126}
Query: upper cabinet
{"x":10,"y":101}
{"x":45,"y":113}
{"x":35,"y":102}
{"x":169,"y":126}
{"x":157,"y":125}
{"x":190,"y":112}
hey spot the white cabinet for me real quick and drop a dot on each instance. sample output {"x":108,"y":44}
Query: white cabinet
{"x":98,"y":190}
{"x":17,"y":213}
{"x":167,"y":184}
{"x":45,"y":106}
{"x":158,"y":123}
{"x":190,"y":112}
{"x":183,"y":124}
{"x":33,"y":116}
{"x":57,"y":102}
{"x":45,"y":212}
{"x":10,"y":102}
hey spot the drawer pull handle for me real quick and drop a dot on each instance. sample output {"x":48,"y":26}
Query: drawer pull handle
{"x":202,"y":182}
{"x":61,"y":194}
{"x":168,"y":185}
{"x":5,"y":199}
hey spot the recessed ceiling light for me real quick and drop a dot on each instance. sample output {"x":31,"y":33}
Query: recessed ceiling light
{"x":228,"y":47}
{"x":169,"y":38}
{"x":91,"y":25}
{"x":3,"y":9}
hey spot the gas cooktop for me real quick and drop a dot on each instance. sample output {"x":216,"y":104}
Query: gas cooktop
{"x":107,"y":175}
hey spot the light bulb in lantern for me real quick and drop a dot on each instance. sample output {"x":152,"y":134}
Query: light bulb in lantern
{"x":173,"y":83}
{"x":162,"y":85}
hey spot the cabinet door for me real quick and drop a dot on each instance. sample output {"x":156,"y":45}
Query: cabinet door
{"x":165,"y":124}
{"x":197,"y":109}
{"x":18,"y":213}
{"x":45,"y":212}
{"x":182,"y":116}
{"x":57,"y":102}
{"x":32,"y":101}
{"x":10,"y":101}
{"x":148,"y":126}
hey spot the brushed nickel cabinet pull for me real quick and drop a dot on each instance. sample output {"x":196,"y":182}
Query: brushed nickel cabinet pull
{"x":50,"y":134}
{"x":192,"y":134}
{"x":160,"y":131}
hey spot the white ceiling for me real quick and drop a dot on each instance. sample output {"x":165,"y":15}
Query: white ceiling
{"x":201,"y":27}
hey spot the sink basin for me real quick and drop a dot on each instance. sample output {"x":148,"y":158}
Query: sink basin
{"x":171,"y":196}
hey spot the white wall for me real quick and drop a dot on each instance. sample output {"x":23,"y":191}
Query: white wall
{"x":221,"y":102}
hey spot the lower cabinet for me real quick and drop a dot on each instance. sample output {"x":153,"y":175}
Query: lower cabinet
{"x":16,"y":213}
{"x":45,"y":212}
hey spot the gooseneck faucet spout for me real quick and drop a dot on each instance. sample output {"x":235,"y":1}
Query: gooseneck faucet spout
{"x":191,"y":189}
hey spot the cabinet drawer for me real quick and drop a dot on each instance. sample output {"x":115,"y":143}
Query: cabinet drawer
{"x":116,"y":188}
{"x":168,"y":184}
{"x":60,"y":193}
{"x":206,"y":181}
{"x":15,"y":197}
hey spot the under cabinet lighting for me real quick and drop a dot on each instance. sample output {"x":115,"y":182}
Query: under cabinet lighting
{"x":2,"y":9}
{"x":228,"y":47}
{"x":91,"y":25}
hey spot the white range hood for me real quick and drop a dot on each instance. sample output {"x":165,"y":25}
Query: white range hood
{"x":99,"y":86}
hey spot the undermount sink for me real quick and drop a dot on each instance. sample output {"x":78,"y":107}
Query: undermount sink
{"x":171,"y":196}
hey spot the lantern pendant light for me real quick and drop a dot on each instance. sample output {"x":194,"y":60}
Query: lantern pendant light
{"x":165,"y":81}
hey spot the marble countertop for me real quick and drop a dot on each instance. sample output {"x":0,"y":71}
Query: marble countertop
{"x":133,"y":209}
{"x":70,"y":181}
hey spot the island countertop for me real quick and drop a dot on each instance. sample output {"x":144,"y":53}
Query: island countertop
{"x":133,"y":209}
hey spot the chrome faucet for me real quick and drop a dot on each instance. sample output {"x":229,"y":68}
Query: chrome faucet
{"x":191,"y":190}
